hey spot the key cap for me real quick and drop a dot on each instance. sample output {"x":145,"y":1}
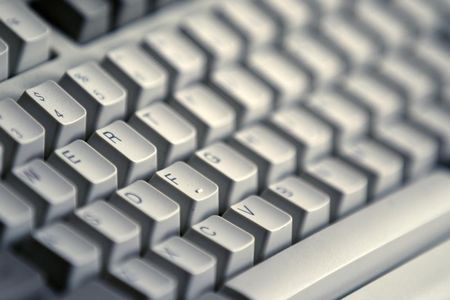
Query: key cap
{"x":143,"y":78}
{"x":96,"y":289}
{"x":382,"y":166}
{"x":418,"y":150}
{"x":309,"y":50}
{"x":194,"y":269}
{"x":16,"y":218}
{"x":83,"y":20}
{"x":274,"y":156}
{"x":21,"y":135}
{"x":288,"y":82}
{"x":133,"y":155}
{"x":290,"y":14}
{"x":27,"y":36}
{"x":220,"y":44}
{"x":236,"y":176}
{"x":419,"y":13}
{"x":312,"y":137}
{"x":126,"y":11}
{"x":271,"y":227}
{"x":92,"y":174}
{"x":156,"y":214}
{"x":102,"y":97}
{"x":63,"y":118}
{"x":115,"y":234}
{"x":211,"y":115}
{"x":4,"y":60}
{"x":249,"y":21}
{"x":50,"y":194}
{"x":185,"y":62}
{"x":348,"y":121}
{"x":74,"y":260}
{"x":308,"y":206}
{"x":172,"y":135}
{"x":355,"y":250}
{"x":18,"y":280}
{"x":197,"y":196}
{"x":247,"y":94}
{"x":346,"y":186}
{"x":430,"y":278}
{"x":141,"y":280}
{"x":434,"y":55}
{"x":233,"y":247}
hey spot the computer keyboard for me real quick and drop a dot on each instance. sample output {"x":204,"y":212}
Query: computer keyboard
{"x":234,"y":149}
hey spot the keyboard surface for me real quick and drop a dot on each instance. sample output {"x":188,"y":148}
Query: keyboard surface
{"x":233,"y":149}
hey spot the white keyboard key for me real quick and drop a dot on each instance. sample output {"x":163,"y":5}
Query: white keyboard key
{"x":126,"y":11}
{"x":143,"y":280}
{"x":197,"y":196}
{"x":194,"y":269}
{"x":92,"y":174}
{"x":102,"y":97}
{"x":308,"y":206}
{"x":133,"y":155}
{"x":233,"y":247}
{"x":211,"y":115}
{"x":157,"y":215}
{"x":247,"y":94}
{"x":114,"y":233}
{"x":346,"y":186}
{"x":144,"y":79}
{"x":74,"y":259}
{"x":290,"y":14}
{"x":271,"y":227}
{"x":172,"y":135}
{"x":434,"y":55}
{"x":21,"y":135}
{"x":50,"y":194}
{"x":63,"y":118}
{"x":235,"y":175}
{"x":274,"y":156}
{"x":16,"y":218}
{"x":4,"y":60}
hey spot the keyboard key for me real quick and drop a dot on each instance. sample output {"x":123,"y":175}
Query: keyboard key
{"x":96,"y":289}
{"x":219,"y":42}
{"x":312,"y":137}
{"x":126,"y":11}
{"x":308,"y":206}
{"x":74,"y":259}
{"x":212,"y":116}
{"x":421,"y":15}
{"x":434,"y":55}
{"x":235,"y":175}
{"x":156,"y":214}
{"x":247,"y":94}
{"x":288,"y":82}
{"x":83,"y":20}
{"x":133,"y":155}
{"x":102,"y":97}
{"x":4,"y":60}
{"x":141,"y":280}
{"x":185,"y":62}
{"x":92,"y":174}
{"x":16,"y":218}
{"x":383,"y":167}
{"x":194,"y":269}
{"x":290,"y":14}
{"x":143,"y":78}
{"x":63,"y":118}
{"x":114,"y":233}
{"x":418,"y":150}
{"x":356,"y":250}
{"x":172,"y":135}
{"x":50,"y":194}
{"x":271,"y":227}
{"x":346,"y":186}
{"x":27,"y":36}
{"x":274,"y":156}
{"x":21,"y":135}
{"x":197,"y":196}
{"x":233,"y":247}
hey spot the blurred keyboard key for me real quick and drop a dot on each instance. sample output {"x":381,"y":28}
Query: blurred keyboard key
{"x":96,"y":289}
{"x":133,"y":155}
{"x":102,"y":97}
{"x":126,"y":11}
{"x":22,"y":136}
{"x":63,"y":118}
{"x":4,"y":60}
{"x":434,"y":55}
{"x":290,"y":14}
{"x":92,"y":174}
